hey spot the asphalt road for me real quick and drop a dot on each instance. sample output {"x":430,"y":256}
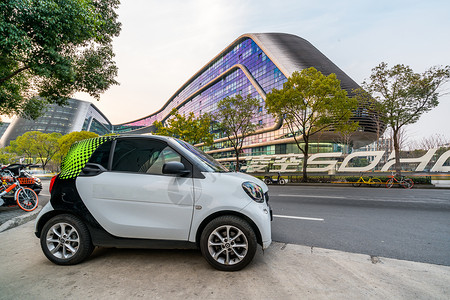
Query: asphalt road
{"x":396,"y":223}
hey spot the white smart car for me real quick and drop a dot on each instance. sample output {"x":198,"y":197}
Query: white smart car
{"x":144,"y":191}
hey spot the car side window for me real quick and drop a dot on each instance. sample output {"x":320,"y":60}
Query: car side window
{"x":166,"y":155}
{"x":142,"y":156}
{"x":101,"y":155}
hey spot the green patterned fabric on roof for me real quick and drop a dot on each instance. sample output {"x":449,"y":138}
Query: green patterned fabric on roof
{"x":79,"y":154}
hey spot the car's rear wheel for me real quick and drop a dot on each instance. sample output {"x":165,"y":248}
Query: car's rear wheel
{"x":65,"y":240}
{"x":228,"y":243}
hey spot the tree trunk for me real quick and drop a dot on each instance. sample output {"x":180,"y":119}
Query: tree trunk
{"x":305,"y":161}
{"x":237,"y":160}
{"x":13,"y":74}
{"x":398,"y":169}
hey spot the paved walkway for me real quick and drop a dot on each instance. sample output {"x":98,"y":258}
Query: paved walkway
{"x":283,"y":271}
{"x":13,"y":216}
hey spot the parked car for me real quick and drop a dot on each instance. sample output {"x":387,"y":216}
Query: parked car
{"x":153,"y":192}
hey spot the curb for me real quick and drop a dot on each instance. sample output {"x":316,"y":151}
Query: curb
{"x":19,"y":220}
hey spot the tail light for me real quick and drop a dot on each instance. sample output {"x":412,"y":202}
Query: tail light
{"x":52,"y":181}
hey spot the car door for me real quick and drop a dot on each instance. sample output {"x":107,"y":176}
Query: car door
{"x":133,"y":198}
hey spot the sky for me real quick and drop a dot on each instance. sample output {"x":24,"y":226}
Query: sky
{"x":163,"y":43}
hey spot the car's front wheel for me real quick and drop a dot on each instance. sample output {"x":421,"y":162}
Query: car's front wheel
{"x":228,"y":243}
{"x":65,"y":240}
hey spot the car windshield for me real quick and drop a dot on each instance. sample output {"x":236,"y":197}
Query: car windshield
{"x":205,"y":158}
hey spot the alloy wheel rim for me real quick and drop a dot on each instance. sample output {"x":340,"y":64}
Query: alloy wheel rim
{"x":227,"y":245}
{"x":63,"y":240}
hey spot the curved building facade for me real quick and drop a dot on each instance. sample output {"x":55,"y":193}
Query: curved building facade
{"x":254,"y":64}
{"x":77,"y":115}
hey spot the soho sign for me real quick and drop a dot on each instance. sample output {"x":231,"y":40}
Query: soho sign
{"x":290,"y":162}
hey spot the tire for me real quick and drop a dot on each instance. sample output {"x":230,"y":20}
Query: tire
{"x":267,"y":181}
{"x":408,"y":183}
{"x":65,"y":240}
{"x":282,"y":181}
{"x":411,"y":182}
{"x":357,"y":184}
{"x":27,"y":199}
{"x":390,"y":183}
{"x":376,"y":182}
{"x":222,"y":254}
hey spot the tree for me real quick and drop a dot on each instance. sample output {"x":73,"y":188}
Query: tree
{"x":345,"y":131}
{"x":402,"y":96}
{"x":188,"y":128}
{"x":369,"y":107}
{"x":430,"y":142}
{"x":35,"y":144}
{"x":234,"y":116}
{"x":6,"y":157}
{"x":46,"y":147}
{"x":66,"y":141}
{"x":50,"y":49}
{"x":310,"y":103}
{"x":21,"y":146}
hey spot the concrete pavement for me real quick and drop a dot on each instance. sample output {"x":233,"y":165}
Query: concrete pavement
{"x":284,"y":271}
{"x":13,"y":216}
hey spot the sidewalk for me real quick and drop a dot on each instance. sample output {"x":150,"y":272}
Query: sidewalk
{"x":13,"y":216}
{"x":283,"y":271}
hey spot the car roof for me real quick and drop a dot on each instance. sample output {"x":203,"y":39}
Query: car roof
{"x":146,"y":135}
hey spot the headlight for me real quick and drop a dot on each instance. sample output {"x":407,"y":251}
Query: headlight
{"x":254,"y":191}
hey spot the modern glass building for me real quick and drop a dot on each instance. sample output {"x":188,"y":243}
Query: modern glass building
{"x":254,"y":64}
{"x":77,"y":115}
{"x":3,"y":127}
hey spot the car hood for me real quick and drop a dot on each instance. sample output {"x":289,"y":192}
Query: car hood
{"x":245,"y":177}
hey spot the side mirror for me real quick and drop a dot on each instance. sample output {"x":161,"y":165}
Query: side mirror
{"x":92,"y":169}
{"x":175,"y":168}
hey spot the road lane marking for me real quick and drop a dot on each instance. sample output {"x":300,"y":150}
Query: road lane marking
{"x":310,"y":196}
{"x":298,"y":218}
{"x":387,"y":200}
